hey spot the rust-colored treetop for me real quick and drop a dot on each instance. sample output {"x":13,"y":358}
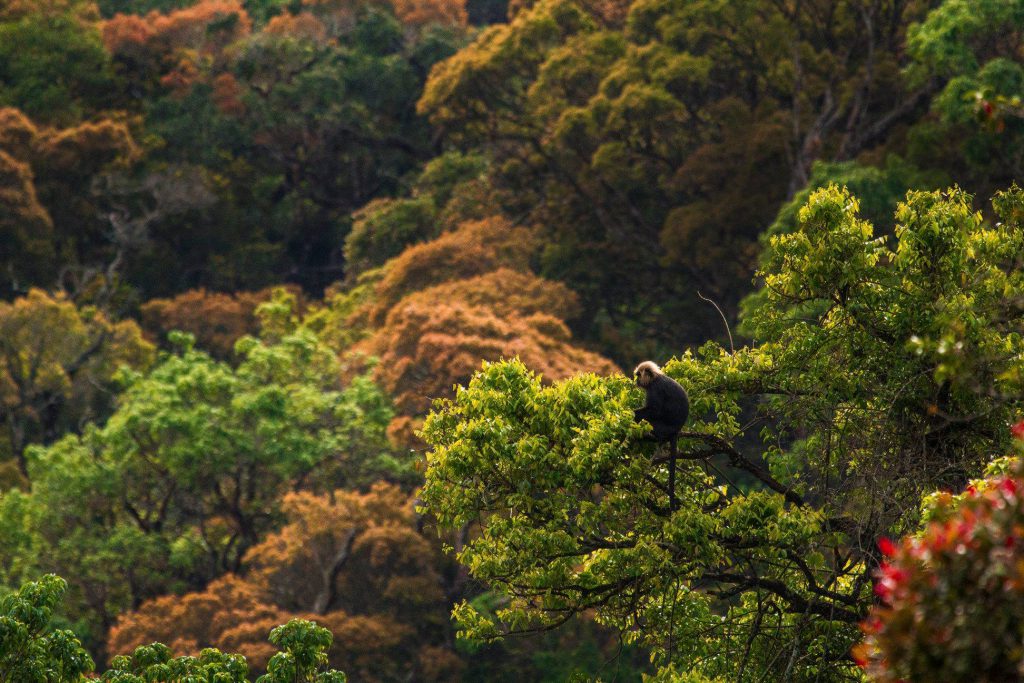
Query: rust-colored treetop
{"x":442,"y":307}
{"x":351,"y":561}
{"x":217,"y":320}
{"x":476,"y":248}
{"x":437,"y":337}
{"x":186,"y":28}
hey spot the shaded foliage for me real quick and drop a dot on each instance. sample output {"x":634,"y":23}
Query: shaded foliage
{"x":296,"y":126}
{"x":653,"y":143}
{"x":974,"y":47}
{"x":451,"y":190}
{"x":52,"y":62}
{"x":57,"y":228}
{"x":588,"y":165}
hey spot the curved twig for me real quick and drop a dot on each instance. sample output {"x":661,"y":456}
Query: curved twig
{"x":732,"y":348}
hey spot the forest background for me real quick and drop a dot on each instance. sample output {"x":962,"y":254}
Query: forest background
{"x":245,"y":244}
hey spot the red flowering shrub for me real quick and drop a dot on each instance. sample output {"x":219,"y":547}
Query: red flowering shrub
{"x":952,"y":598}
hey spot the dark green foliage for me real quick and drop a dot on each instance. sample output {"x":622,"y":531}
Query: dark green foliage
{"x":484,"y":12}
{"x":645,"y":146}
{"x":109,"y":8}
{"x":442,"y":196}
{"x":383,"y":229}
{"x":578,"y":651}
{"x":973,"y":49}
{"x":878,"y":190}
{"x":318,"y":130}
{"x":653,"y":141}
{"x":54,"y":68}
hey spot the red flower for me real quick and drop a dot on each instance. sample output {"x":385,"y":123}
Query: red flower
{"x":1018,"y":430}
{"x":887,"y":547}
{"x":893,"y":573}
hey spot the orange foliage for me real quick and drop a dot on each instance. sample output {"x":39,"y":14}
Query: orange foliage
{"x":369,"y":646}
{"x":40,"y":169}
{"x":80,"y":150}
{"x":207,"y":26}
{"x":23,"y":220}
{"x":304,"y":26}
{"x":57,"y":365}
{"x":442,"y":307}
{"x":421,"y":12}
{"x":216,"y":320}
{"x":87,"y":148}
{"x":193,"y":621}
{"x":474,"y":249}
{"x":21,"y":213}
{"x":180,"y":79}
{"x":25,"y":225}
{"x":509,"y":293}
{"x":175,"y":44}
{"x":125,"y":31}
{"x":363,"y":548}
{"x":437,"y":338}
{"x":352,"y":561}
{"x":402,"y":429}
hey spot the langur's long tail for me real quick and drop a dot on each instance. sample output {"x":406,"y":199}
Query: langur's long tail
{"x":673,"y":452}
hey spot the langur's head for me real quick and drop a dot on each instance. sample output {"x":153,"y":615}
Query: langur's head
{"x":645,"y":373}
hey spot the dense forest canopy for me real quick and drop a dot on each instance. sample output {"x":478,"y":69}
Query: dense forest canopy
{"x":314,"y":316}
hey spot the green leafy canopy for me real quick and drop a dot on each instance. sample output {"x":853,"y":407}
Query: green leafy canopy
{"x":884,"y":368}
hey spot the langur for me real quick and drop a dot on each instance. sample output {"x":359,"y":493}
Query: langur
{"x":666,"y":410}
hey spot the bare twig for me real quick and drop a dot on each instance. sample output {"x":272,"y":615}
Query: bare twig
{"x":732,"y":349}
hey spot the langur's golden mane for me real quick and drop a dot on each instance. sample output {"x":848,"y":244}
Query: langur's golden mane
{"x":645,"y":372}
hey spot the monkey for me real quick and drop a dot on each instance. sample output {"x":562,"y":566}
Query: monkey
{"x":667,"y":405}
{"x":666,"y":410}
